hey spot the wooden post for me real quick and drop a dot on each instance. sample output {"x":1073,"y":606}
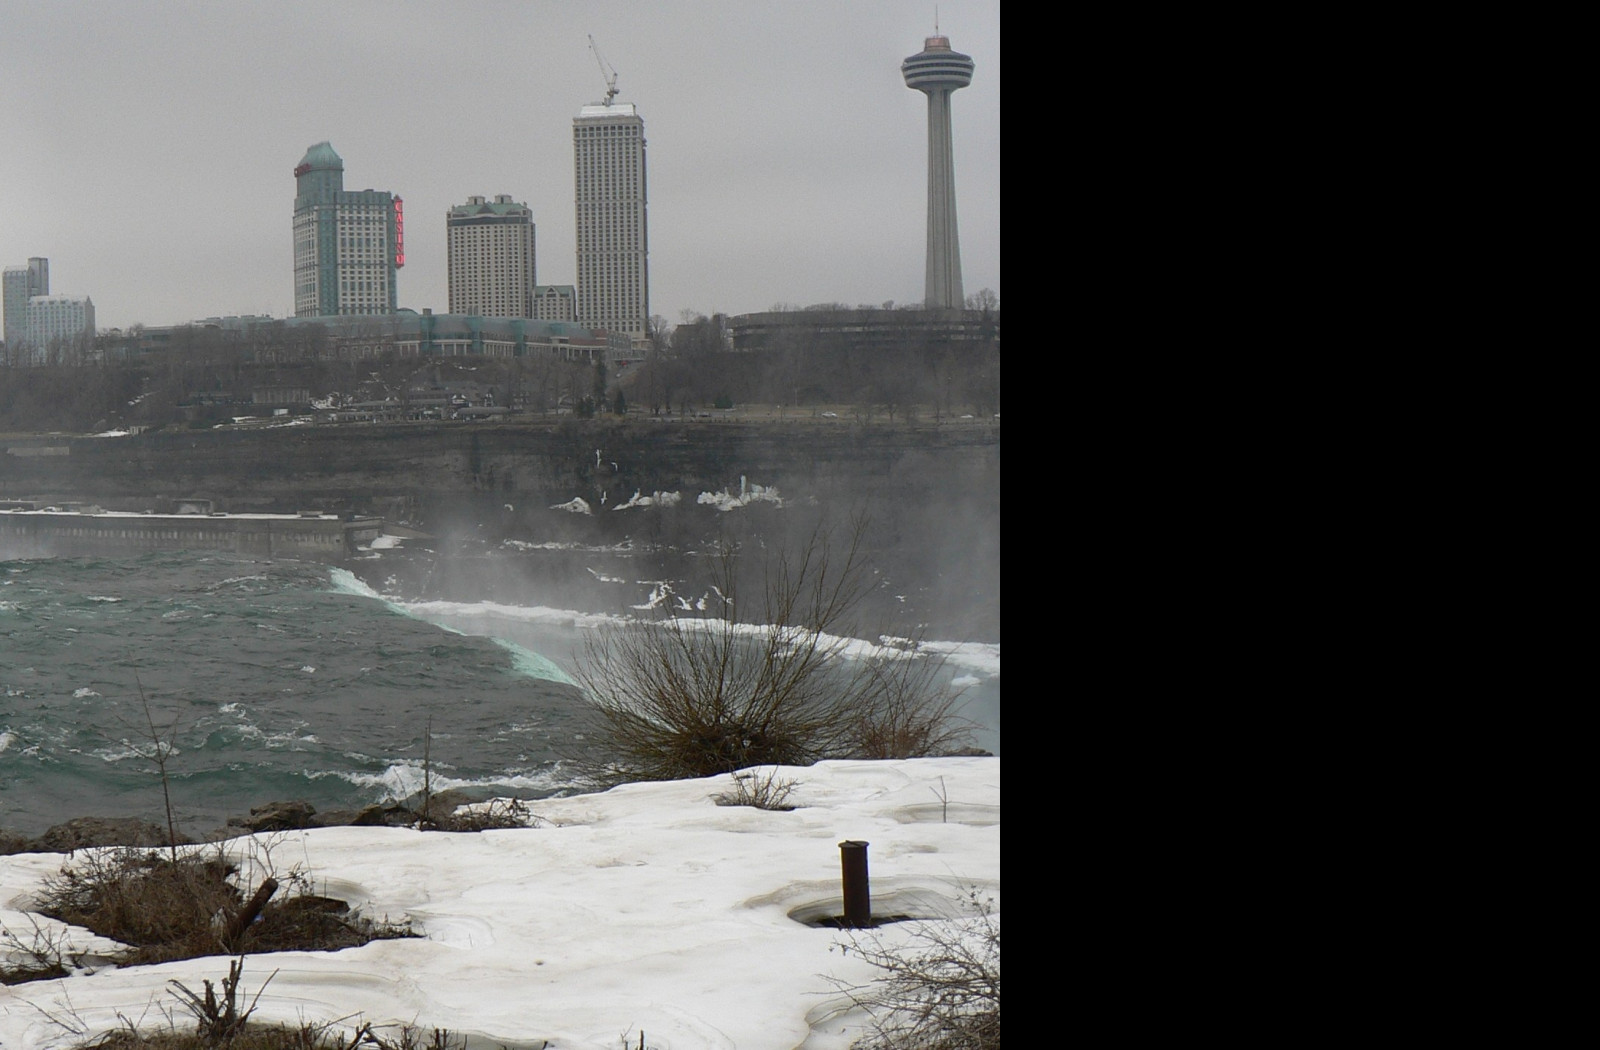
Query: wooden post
{"x":242,"y":921}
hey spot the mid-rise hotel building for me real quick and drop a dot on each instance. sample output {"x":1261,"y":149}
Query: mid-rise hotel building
{"x":555,"y":302}
{"x":492,"y":258}
{"x":348,"y":244}
{"x":612,"y":232}
{"x":53,"y":319}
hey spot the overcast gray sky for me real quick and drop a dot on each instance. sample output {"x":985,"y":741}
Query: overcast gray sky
{"x":147,"y":148}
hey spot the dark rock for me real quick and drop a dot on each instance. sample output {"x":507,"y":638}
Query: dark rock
{"x":10,"y":843}
{"x":443,"y":803}
{"x":83,"y":832}
{"x":278,"y":816}
{"x":384,"y":814}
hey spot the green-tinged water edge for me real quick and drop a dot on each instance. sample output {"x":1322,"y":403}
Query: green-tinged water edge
{"x":279,"y":679}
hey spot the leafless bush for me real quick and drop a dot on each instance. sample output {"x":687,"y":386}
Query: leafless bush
{"x":498,"y":813}
{"x":220,"y":1019}
{"x":37,"y":955}
{"x":410,"y":1037}
{"x":761,"y":790}
{"x":190,"y":908}
{"x":693,"y":697}
{"x":913,"y":716}
{"x":939,"y":992}
{"x":143,"y":899}
{"x":305,"y":1036}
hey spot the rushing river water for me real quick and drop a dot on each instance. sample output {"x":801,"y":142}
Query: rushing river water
{"x":281,"y":679}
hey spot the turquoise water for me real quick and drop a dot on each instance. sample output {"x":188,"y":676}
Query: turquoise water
{"x":279,"y":680}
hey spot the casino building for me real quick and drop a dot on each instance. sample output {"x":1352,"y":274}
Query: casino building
{"x":348,"y":244}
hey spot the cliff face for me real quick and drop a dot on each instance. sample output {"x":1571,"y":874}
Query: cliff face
{"x":932,"y":492}
{"x":436,"y":466}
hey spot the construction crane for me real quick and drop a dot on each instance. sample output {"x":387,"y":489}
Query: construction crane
{"x":611,"y":81}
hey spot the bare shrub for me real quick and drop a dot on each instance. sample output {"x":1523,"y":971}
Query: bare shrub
{"x":305,"y":1036}
{"x":760,"y":790}
{"x":696,"y":696}
{"x":499,"y":813}
{"x":407,"y":1037}
{"x":913,"y":717}
{"x":220,"y":1019}
{"x":143,"y":899}
{"x":181,"y":910}
{"x":37,"y":955}
{"x":939,"y":992}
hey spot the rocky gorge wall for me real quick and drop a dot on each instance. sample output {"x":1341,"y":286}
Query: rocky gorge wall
{"x":932,"y":491}
{"x":439,"y":466}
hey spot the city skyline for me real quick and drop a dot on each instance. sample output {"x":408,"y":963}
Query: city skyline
{"x":787,"y":159}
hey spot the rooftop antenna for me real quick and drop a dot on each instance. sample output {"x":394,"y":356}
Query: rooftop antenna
{"x":611,"y":81}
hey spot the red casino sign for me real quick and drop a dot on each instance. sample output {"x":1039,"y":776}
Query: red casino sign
{"x":399,"y":235}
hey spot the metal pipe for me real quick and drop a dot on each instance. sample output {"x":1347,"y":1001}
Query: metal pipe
{"x":857,"y":891}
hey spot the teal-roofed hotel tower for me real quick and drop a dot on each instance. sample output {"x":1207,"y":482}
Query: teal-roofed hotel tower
{"x":936,"y":71}
{"x":348,"y":244}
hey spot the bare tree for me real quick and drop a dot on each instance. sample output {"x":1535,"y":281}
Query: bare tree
{"x":984,"y":299}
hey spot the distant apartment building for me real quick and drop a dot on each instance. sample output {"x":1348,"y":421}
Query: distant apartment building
{"x":50,"y":324}
{"x":492,"y":261}
{"x":613,"y":286}
{"x":864,"y":331}
{"x":408,"y":334}
{"x":555,"y":302}
{"x":22,"y":283}
{"x":348,"y":244}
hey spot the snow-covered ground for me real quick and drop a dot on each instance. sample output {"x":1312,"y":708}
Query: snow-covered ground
{"x":648,"y":907}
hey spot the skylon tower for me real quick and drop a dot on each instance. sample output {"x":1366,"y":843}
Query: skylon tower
{"x":936,"y":71}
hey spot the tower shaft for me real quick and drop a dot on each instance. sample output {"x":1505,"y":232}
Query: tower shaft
{"x":944,"y":240}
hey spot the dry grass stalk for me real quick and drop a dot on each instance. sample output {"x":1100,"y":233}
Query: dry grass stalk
{"x":161,"y":750}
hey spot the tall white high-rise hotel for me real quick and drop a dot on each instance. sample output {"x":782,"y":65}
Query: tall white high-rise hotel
{"x":347,"y":243}
{"x":612,"y":231}
{"x":493,"y":268}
